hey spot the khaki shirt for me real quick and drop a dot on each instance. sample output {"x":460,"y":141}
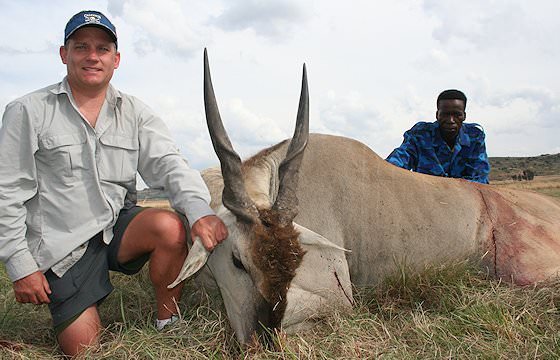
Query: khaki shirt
{"x":63,"y":181}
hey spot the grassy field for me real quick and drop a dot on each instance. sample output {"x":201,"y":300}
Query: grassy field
{"x":502,"y":168}
{"x":548,"y":185}
{"x":447,"y":312}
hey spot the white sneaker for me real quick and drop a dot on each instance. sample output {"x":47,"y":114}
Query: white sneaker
{"x":162,"y":324}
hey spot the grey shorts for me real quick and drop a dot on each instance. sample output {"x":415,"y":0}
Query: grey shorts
{"x":87,"y":282}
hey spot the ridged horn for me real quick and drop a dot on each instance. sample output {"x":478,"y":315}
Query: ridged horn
{"x":288,"y":172}
{"x":234,"y":196}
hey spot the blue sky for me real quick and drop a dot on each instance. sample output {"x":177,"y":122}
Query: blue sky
{"x":374,"y":67}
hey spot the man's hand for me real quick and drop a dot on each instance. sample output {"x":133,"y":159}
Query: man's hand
{"x":211,"y":230}
{"x":33,"y":288}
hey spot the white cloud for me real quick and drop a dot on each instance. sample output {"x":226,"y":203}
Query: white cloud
{"x":356,"y":116}
{"x":433,"y":60}
{"x":272,"y":18}
{"x":24,"y":50}
{"x":518,"y":122}
{"x":375,"y":68}
{"x":249,"y":131}
{"x":350,"y":114}
{"x":495,"y":25}
{"x":477,"y":24}
{"x":165,"y":27}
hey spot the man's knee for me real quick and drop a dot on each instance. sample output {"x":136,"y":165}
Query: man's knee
{"x":151,"y":231}
{"x":82,"y":332}
{"x":169,"y":229}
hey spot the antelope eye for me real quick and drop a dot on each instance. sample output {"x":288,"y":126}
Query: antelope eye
{"x":237,"y":263}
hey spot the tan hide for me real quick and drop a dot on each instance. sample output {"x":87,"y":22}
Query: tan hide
{"x":389,"y":216}
{"x":386,"y":217}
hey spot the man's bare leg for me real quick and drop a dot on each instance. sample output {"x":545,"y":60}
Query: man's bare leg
{"x":81,"y":333}
{"x":162,"y":234}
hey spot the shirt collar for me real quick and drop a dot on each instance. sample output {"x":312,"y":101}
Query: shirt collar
{"x":61,"y":88}
{"x":113,"y":97}
{"x":463,"y":138}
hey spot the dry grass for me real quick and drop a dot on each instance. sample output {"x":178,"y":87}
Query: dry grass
{"x":539,"y":182}
{"x":447,"y":312}
{"x":548,"y":185}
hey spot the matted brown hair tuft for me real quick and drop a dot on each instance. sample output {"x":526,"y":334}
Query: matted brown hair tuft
{"x":276,"y":251}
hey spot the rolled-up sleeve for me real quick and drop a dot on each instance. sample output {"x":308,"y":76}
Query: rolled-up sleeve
{"x":161,"y":165}
{"x":18,"y":184}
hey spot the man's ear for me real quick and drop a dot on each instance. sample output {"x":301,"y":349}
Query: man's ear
{"x":63,"y":54}
{"x":464,"y":116}
{"x":117,"y":59}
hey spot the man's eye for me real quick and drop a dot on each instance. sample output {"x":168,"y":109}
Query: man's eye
{"x":452,"y":114}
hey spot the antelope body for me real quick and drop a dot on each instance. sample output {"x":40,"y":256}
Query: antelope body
{"x":309,"y":218}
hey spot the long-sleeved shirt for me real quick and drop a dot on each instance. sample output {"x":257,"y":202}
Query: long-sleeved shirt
{"x":63,"y":181}
{"x":424,"y":150}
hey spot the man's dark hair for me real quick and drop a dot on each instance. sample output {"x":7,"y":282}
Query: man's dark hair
{"x":452,"y":94}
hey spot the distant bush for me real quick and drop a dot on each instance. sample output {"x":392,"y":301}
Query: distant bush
{"x":504,"y":168}
{"x":527,"y":174}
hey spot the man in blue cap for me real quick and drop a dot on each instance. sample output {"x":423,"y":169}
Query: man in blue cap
{"x":447,"y":147}
{"x":69,"y":158}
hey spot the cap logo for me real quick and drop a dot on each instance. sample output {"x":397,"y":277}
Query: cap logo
{"x":92,"y":18}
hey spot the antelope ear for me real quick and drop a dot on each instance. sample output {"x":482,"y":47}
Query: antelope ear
{"x":311,"y":238}
{"x":196,"y":259}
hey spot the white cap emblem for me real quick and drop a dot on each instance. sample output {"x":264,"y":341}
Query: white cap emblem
{"x":92,"y":18}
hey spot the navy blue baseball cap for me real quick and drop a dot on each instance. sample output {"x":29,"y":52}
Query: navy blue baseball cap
{"x":90,"y":18}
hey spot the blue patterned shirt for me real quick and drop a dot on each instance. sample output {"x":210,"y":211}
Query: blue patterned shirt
{"x":424,"y":150}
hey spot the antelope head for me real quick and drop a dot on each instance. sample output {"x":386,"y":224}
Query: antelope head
{"x":263,"y":243}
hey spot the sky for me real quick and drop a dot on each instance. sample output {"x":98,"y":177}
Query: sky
{"x":374,"y":67}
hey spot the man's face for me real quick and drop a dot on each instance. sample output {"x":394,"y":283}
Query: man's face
{"x":450,"y":116}
{"x":91,"y":58}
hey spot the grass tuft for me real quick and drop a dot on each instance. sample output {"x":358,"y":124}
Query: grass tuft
{"x":451,"y":311}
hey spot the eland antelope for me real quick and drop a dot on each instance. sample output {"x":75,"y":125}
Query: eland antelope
{"x":310,"y":217}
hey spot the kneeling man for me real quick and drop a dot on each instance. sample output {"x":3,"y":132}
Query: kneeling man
{"x":446,"y":147}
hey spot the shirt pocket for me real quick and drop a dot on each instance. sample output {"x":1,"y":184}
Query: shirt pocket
{"x":118,"y":158}
{"x":64,"y":154}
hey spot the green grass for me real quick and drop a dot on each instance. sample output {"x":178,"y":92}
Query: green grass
{"x":502,"y":168}
{"x":548,"y":185}
{"x":451,"y":311}
{"x":551,"y":192}
{"x":128,"y":313}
